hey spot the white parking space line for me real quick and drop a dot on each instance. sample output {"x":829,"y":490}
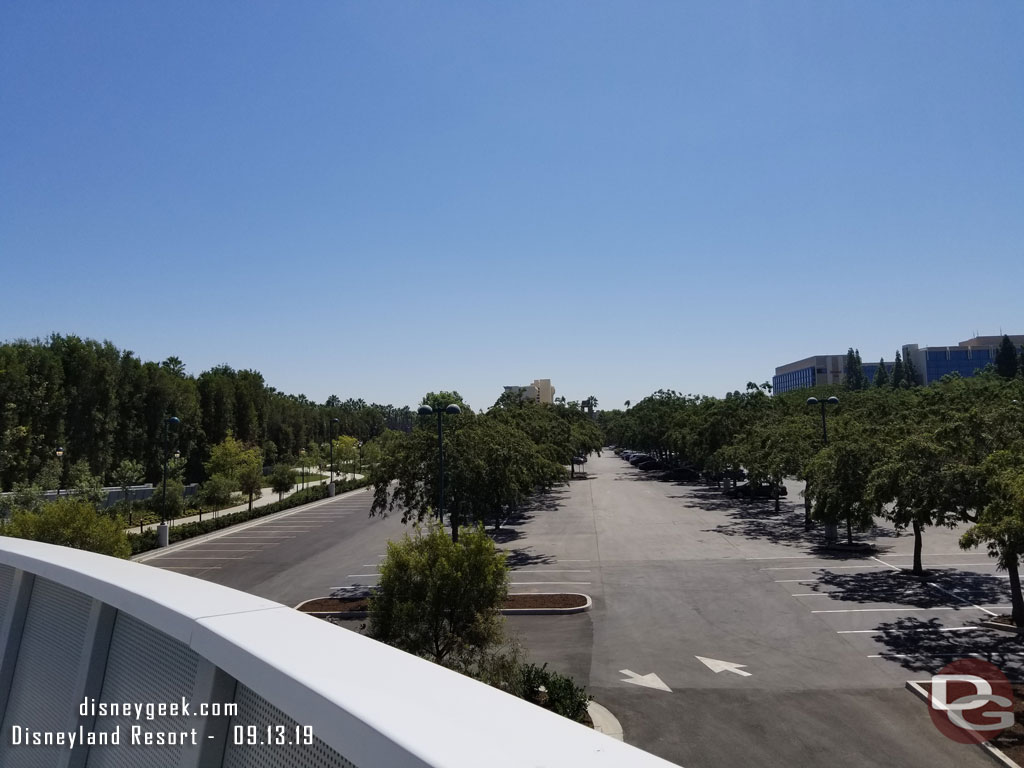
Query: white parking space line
{"x":883,"y":610}
{"x":525,"y":583}
{"x":784,"y":557}
{"x":190,"y":567}
{"x":817,"y":567}
{"x":927,"y":655}
{"x":915,"y":629}
{"x":566,"y":560}
{"x":941,"y":589}
{"x":206,"y":549}
{"x":198,"y":557}
{"x":796,"y":581}
{"x":812,"y":594}
{"x":516,"y":570}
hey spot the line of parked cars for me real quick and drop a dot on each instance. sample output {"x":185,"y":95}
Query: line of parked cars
{"x":687,"y":473}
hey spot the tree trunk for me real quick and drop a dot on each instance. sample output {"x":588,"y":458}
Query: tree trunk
{"x":918,"y":541}
{"x":250,"y":501}
{"x":1015,"y":596}
{"x":849,"y":529}
{"x":808,"y":523}
{"x":776,"y":492}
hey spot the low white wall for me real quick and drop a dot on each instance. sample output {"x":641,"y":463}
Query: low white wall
{"x":121,"y":628}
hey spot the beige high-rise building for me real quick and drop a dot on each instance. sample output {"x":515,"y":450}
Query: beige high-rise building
{"x":540,"y":391}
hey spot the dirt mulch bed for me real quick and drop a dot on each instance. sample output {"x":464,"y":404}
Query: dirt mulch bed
{"x":355,"y":604}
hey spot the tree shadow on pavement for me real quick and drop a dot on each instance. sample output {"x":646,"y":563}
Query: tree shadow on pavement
{"x":922,"y":646}
{"x":905,"y":589}
{"x":522,"y":557}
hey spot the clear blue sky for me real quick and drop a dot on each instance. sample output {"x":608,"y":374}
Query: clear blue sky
{"x":381,"y":199}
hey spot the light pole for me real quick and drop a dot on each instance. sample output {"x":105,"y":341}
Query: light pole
{"x":831,"y":529}
{"x":302,"y":461}
{"x":426,"y":410}
{"x":330,"y":488}
{"x":60,"y":455}
{"x":162,"y":531}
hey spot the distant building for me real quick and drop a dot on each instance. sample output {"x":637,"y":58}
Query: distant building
{"x":931,"y":364}
{"x":814,"y":371}
{"x":539,"y":391}
{"x":965,"y":358}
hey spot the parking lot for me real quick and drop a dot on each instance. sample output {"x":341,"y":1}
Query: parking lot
{"x":812,"y":647}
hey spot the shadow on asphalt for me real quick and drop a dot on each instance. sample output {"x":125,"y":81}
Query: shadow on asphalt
{"x":520,"y":558}
{"x":925,"y":648}
{"x":903,"y":588}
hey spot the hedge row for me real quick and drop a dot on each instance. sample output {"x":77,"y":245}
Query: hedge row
{"x":142,"y":542}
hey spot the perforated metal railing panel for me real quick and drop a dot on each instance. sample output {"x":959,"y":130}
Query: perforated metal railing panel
{"x":254,"y":710}
{"x":6,"y":582}
{"x":148,"y":667}
{"x":42,"y":691}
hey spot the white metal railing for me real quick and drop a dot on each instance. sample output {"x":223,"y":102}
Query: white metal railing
{"x":114,"y":624}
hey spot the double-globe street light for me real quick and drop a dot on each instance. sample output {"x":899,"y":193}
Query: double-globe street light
{"x":831,"y":529}
{"x":162,"y":534}
{"x":60,"y":455}
{"x":426,"y":410}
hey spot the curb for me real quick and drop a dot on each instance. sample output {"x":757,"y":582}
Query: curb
{"x":549,"y":611}
{"x":914,"y":686}
{"x":505,"y":611}
{"x":151,"y":553}
{"x":604,"y":721}
{"x":1001,"y":627}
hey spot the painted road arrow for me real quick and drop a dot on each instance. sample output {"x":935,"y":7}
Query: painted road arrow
{"x":716,"y":666}
{"x":648,"y":681}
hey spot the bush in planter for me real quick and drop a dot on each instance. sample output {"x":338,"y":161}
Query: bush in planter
{"x":553,"y":691}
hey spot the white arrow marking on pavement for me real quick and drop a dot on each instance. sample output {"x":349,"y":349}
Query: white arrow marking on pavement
{"x":649,"y":680}
{"x":716,"y":666}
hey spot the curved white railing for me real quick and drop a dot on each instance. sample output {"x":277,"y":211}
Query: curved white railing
{"x":111,"y":624}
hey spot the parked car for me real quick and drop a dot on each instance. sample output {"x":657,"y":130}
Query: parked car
{"x":637,"y":458}
{"x":757,"y":491}
{"x":650,"y":464}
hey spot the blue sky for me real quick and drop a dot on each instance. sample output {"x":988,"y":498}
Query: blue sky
{"x":381,"y":199}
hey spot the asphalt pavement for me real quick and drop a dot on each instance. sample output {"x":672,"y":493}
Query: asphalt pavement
{"x":812,"y":648}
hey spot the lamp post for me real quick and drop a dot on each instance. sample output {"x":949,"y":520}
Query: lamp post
{"x":162,"y":535}
{"x":302,"y":461}
{"x":60,"y":455}
{"x":330,"y":488}
{"x":831,"y":529}
{"x":426,"y":410}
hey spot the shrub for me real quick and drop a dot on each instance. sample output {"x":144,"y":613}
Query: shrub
{"x":438,"y":598}
{"x":70,"y":522}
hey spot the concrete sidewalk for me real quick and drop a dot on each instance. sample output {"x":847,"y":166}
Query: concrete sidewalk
{"x":267,"y":497}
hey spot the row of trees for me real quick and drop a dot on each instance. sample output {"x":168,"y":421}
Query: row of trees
{"x":104,"y":406}
{"x":494,"y":460}
{"x":947,"y":454}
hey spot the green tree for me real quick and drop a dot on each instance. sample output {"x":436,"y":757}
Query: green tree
{"x":216,"y":492}
{"x":84,"y":483}
{"x":898,"y":378}
{"x":250,"y":481}
{"x":282,"y":480}
{"x":910,"y":371}
{"x":127,"y":474}
{"x":230,"y":458}
{"x":1006,"y":358}
{"x":70,"y":522}
{"x":1000,"y":522}
{"x":881,"y":375}
{"x":346,"y":452}
{"x":854,"y":370}
{"x":838,"y":479}
{"x":438,"y":598}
